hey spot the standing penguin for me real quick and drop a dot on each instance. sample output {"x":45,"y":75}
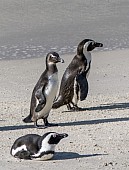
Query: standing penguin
{"x":74,"y":84}
{"x":44,"y":92}
{"x":33,"y":146}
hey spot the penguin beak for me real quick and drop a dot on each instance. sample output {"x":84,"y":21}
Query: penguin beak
{"x":98,"y":44}
{"x":63,"y":135}
{"x":61,"y":60}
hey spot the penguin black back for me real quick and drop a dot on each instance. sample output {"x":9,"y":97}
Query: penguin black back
{"x":33,"y":146}
{"x":71,"y":86}
{"x":44,"y":92}
{"x":66,"y":92}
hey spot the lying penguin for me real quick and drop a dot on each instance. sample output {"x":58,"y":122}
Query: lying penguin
{"x":44,"y":92}
{"x":33,"y":146}
{"x":74,"y":84}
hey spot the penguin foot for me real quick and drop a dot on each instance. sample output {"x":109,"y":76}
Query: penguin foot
{"x":69,"y":107}
{"x":47,"y":124}
{"x":75,"y":108}
{"x":38,"y":126}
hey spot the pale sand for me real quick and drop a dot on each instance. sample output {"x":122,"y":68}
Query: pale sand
{"x":98,"y":136}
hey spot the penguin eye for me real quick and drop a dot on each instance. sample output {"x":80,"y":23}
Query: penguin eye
{"x":52,"y":56}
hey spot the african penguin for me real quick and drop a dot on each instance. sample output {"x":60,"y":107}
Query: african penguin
{"x":44,"y":92}
{"x":33,"y":146}
{"x":74,"y":84}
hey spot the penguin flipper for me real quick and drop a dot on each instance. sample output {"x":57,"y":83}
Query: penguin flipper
{"x":83,"y":85}
{"x":58,"y":102}
{"x":41,"y":99}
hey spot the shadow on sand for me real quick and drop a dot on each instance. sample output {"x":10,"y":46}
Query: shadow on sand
{"x":109,"y":106}
{"x":98,"y":121}
{"x":72,"y":155}
{"x":16,"y":127}
{"x":77,"y":123}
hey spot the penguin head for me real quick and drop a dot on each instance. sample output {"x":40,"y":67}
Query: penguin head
{"x":53,"y":58}
{"x":52,"y":138}
{"x":56,"y":137}
{"x":88,"y":45}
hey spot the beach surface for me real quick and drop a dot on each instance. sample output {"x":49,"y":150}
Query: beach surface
{"x":98,"y":135}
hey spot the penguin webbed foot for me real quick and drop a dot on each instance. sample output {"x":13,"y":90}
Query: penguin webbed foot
{"x":47,"y":124}
{"x":39,"y":126}
{"x":69,"y":107}
{"x":74,"y":108}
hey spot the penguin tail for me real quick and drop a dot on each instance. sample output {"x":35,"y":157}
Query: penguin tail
{"x":27,"y":119}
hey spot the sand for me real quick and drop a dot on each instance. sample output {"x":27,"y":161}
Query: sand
{"x":98,"y":135}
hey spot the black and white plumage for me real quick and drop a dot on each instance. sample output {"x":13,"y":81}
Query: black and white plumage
{"x":44,"y":92}
{"x":33,"y":146}
{"x":74,"y":84}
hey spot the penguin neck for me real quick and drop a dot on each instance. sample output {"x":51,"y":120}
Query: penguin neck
{"x":87,"y":55}
{"x":44,"y":146}
{"x":51,"y":67}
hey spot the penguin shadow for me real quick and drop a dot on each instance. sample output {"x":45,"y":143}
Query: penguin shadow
{"x":108,"y":106}
{"x":97,"y":121}
{"x":73,"y":155}
{"x":16,"y":127}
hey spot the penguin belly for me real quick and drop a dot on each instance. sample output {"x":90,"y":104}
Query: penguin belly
{"x":45,"y":157}
{"x":50,"y":93}
{"x":75,"y":95}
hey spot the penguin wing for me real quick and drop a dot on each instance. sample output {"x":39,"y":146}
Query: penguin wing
{"x":41,"y":99}
{"x":82,"y":85}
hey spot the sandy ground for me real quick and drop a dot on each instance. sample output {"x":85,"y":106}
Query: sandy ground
{"x":98,"y":135}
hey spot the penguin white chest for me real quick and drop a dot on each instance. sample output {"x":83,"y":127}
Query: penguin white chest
{"x":50,"y":93}
{"x":88,"y":58}
{"x":51,"y":88}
